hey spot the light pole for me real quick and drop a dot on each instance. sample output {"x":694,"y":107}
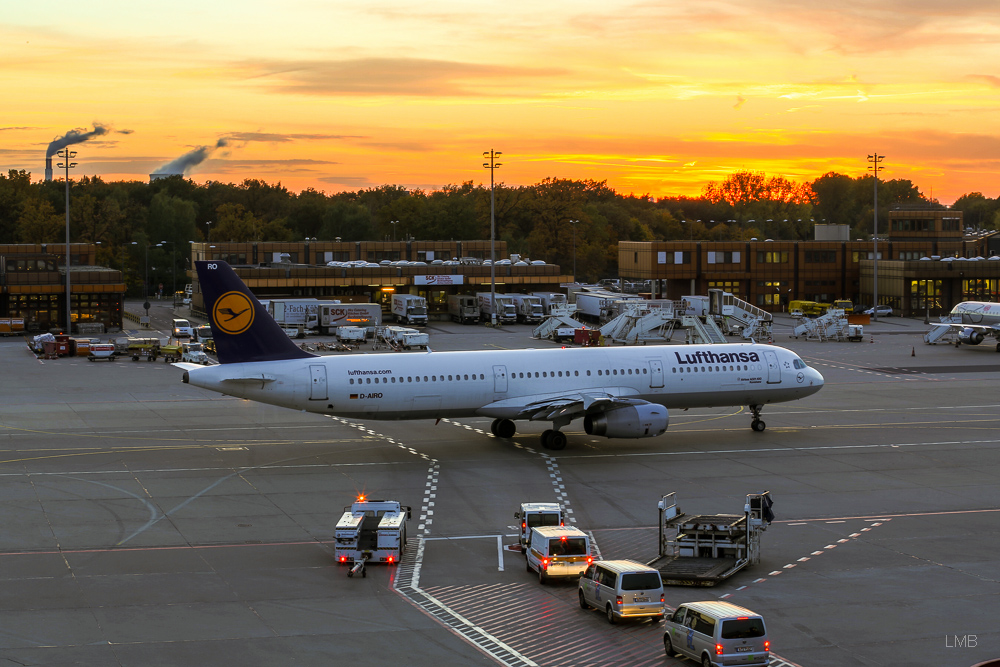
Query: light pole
{"x":208,"y":236}
{"x":875,"y":168}
{"x":393,"y":223}
{"x":573,"y":222}
{"x":145,"y":281}
{"x":67,"y":155}
{"x":173,"y":268}
{"x":492,"y":165}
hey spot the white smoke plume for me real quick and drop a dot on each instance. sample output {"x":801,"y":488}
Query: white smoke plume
{"x":186,"y":162}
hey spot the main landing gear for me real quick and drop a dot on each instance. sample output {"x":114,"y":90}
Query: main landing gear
{"x":551,"y":438}
{"x":503,"y":428}
{"x":757,"y":424}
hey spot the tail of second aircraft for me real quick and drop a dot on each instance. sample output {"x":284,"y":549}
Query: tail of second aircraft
{"x":241,"y":328}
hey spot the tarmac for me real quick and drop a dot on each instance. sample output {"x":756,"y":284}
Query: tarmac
{"x":148,"y":522}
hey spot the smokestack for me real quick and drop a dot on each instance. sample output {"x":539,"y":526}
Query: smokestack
{"x":48,"y":168}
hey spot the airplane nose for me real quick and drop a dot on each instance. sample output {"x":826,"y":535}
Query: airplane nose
{"x":816,"y":378}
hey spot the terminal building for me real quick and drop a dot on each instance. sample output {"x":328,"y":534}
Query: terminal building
{"x":926,"y":264}
{"x":432,"y":269}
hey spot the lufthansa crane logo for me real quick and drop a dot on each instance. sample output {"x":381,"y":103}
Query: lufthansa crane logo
{"x":233,"y":313}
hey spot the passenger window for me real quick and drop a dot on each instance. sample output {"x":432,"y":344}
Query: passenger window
{"x":588,"y":373}
{"x":544,"y":374}
{"x":352,"y":380}
{"x":615,"y":371}
{"x":368,"y":380}
{"x":560,"y":373}
{"x":576,"y":373}
{"x":630,"y":371}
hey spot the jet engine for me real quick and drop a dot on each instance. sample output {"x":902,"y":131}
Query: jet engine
{"x":971,"y":336}
{"x":634,"y":421}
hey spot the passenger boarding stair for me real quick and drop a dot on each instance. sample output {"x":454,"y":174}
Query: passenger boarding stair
{"x":558,"y":320}
{"x":704,"y":330}
{"x":943,"y":332}
{"x":746,"y":319}
{"x":641,"y":322}
{"x":832,"y":326}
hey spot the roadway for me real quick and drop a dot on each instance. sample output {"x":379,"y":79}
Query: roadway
{"x":150,"y":522}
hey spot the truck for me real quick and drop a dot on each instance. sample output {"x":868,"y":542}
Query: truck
{"x":299,"y":314}
{"x":550,"y":300}
{"x":407,"y":338}
{"x":529,"y":308}
{"x":535,"y":515}
{"x":463,"y":308}
{"x":595,"y":305}
{"x":503,"y":308}
{"x":334,"y":316}
{"x":409,"y":308}
{"x":143,"y":348}
{"x":370,"y":531}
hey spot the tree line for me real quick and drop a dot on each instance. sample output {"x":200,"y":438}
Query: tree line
{"x":556,"y":220}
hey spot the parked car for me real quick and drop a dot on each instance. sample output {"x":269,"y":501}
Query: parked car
{"x":883,"y":311}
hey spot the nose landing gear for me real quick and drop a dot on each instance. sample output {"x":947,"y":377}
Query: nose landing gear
{"x":757,"y":424}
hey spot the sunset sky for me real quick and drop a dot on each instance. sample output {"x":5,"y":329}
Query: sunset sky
{"x":655,"y":97}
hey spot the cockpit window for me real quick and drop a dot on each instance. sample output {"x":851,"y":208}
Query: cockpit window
{"x":798,"y":363}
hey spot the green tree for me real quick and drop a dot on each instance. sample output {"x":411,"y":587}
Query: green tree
{"x":348,"y":221}
{"x":39,"y":222}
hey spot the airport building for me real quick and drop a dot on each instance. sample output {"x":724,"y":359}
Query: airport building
{"x":926,"y":264}
{"x":377,"y":270}
{"x":33,"y":287}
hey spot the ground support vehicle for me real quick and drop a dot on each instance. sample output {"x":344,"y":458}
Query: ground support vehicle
{"x":297,"y":314}
{"x":334,"y":316}
{"x":194,"y":353}
{"x":622,"y":589}
{"x":171,"y":353}
{"x":463,"y":308}
{"x":529,"y":308}
{"x":407,"y":338}
{"x":102,"y":351}
{"x":409,"y":308}
{"x":558,"y":551}
{"x":717,"y":633}
{"x":370,"y":531}
{"x":351,"y":335}
{"x":702,"y":550}
{"x":503,"y":307}
{"x":143,"y":348}
{"x":536,"y":515}
{"x":12,"y":326}
{"x":182,"y":329}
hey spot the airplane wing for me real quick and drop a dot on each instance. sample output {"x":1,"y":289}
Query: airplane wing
{"x":566,"y":406}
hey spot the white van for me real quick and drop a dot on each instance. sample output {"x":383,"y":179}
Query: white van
{"x":533,"y":515}
{"x":717,"y":633}
{"x":558,"y":551}
{"x":182,"y":329}
{"x":622,"y":589}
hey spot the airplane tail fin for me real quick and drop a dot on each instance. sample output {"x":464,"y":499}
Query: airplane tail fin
{"x":242,"y":329}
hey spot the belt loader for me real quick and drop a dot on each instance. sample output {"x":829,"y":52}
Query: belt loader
{"x":370,"y":531}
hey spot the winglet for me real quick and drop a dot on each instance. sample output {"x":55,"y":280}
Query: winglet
{"x":242,"y":329}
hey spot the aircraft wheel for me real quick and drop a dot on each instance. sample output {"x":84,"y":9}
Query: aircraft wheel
{"x":758,"y":425}
{"x":557,"y":440}
{"x":506,"y":428}
{"x":547,"y":438}
{"x":494,"y":425}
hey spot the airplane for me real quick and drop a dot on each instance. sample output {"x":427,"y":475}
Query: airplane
{"x":620,"y":392}
{"x":972,"y":320}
